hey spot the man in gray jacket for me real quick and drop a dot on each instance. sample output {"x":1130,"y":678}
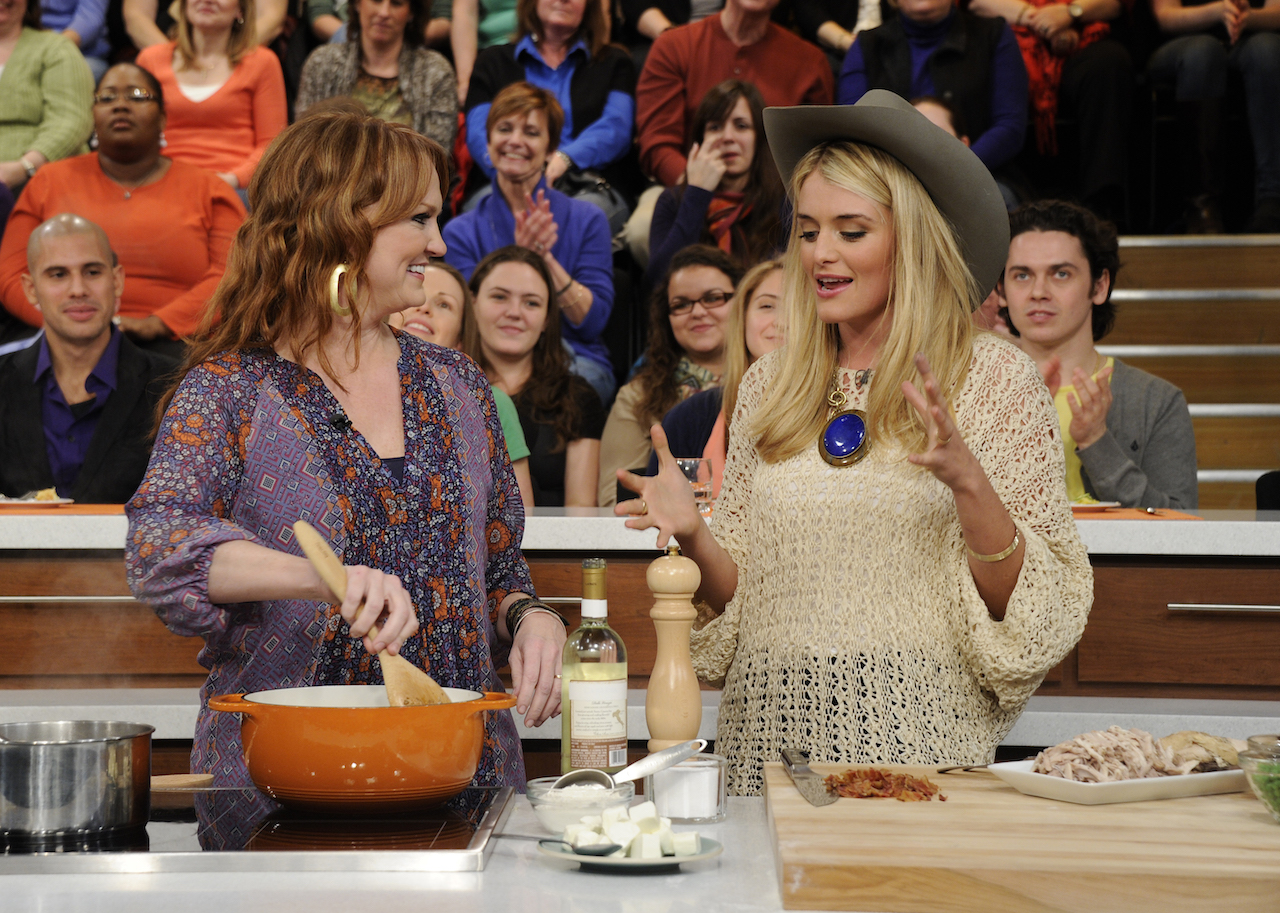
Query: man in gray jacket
{"x":1127,"y":434}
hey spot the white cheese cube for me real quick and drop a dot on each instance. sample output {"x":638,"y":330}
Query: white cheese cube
{"x":646,"y":847}
{"x":613,"y":815}
{"x":622,"y":833}
{"x":686,"y":844}
{"x":666,"y":822}
{"x":645,"y":817}
{"x":586,"y":838}
{"x":665,"y":841}
{"x":591,"y":821}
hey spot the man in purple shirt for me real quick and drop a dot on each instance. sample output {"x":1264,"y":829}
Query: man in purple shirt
{"x":76,"y":407}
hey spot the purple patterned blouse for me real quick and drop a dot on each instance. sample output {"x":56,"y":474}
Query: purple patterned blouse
{"x":247,"y":447}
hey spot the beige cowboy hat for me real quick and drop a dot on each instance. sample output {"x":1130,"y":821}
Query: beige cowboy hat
{"x":960,"y":185}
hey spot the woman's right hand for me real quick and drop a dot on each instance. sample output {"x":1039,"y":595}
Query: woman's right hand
{"x":666,"y":500}
{"x":705,"y":167}
{"x":375,"y":598}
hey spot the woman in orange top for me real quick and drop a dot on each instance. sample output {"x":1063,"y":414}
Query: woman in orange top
{"x":225,"y":92}
{"x":170,"y":223}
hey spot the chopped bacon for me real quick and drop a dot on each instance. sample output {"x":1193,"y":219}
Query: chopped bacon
{"x":873,"y":783}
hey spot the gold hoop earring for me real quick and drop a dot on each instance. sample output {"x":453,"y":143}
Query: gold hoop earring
{"x":334,"y":278}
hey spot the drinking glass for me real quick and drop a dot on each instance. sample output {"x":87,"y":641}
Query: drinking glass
{"x":698,"y":472}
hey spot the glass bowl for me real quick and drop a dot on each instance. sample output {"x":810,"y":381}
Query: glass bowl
{"x":556,"y":809}
{"x":1262,"y":770}
{"x":1270,"y":743}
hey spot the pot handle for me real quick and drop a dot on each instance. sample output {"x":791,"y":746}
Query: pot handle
{"x":230,"y":703}
{"x":493,"y":700}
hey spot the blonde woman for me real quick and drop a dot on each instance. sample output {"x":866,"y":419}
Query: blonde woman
{"x":698,"y":427}
{"x":224,"y":92}
{"x":892,"y":563}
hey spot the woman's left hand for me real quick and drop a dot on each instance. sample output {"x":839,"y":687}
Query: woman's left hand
{"x":557,"y":165}
{"x":535,"y":667}
{"x":946,"y":456}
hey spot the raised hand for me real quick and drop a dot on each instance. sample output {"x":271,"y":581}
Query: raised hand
{"x":705,"y":167}
{"x":666,"y":500}
{"x":945,"y":455}
{"x":1089,"y":404}
{"x":1051,"y":371}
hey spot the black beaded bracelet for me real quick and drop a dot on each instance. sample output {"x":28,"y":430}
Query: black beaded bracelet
{"x":522,"y":607}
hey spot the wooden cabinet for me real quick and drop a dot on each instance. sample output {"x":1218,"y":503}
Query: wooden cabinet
{"x":1135,"y":645}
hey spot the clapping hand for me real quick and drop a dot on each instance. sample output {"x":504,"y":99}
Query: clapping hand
{"x":1089,"y":404}
{"x":666,"y":500}
{"x":945,"y":455}
{"x":705,"y":167}
{"x":536,"y":227}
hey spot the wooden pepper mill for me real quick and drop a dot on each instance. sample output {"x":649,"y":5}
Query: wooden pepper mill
{"x":673,"y":701}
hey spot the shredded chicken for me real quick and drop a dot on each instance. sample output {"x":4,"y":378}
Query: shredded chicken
{"x":1113,"y":754}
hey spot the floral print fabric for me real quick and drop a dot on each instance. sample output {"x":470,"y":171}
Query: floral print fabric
{"x":253,"y":442}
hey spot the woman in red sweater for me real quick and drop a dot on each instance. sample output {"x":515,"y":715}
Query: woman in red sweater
{"x":224,"y":93}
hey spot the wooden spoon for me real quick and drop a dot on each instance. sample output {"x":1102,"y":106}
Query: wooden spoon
{"x":407,"y":685}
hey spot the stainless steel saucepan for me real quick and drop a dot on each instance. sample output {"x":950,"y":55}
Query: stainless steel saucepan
{"x":74,"y":776}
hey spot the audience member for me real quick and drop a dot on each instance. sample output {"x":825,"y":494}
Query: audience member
{"x":171,"y":223}
{"x":476,"y":25}
{"x":738,"y":43}
{"x":1127,"y":435}
{"x":84,"y":24}
{"x":151,"y":22}
{"x":515,"y":337}
{"x":699,"y":426}
{"x":440,"y":319}
{"x":561,"y":47}
{"x":731,"y":196}
{"x":644,"y":20}
{"x":685,"y":354}
{"x":328,"y":21}
{"x":225,"y":92}
{"x":1214,"y":36}
{"x":1074,"y":65}
{"x":44,"y":109}
{"x":932,"y":48}
{"x":834,"y":25}
{"x":384,"y":66}
{"x":571,"y":237}
{"x":76,"y":408}
{"x":940,"y":113}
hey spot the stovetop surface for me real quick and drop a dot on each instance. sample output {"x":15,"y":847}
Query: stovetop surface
{"x":242,"y":829}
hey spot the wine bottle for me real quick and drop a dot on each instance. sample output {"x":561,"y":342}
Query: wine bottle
{"x":594,"y":684}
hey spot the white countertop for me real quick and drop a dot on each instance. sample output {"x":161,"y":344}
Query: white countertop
{"x":517,"y":878}
{"x":1222,"y":533}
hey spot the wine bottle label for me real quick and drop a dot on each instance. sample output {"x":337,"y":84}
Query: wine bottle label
{"x":598,"y":723}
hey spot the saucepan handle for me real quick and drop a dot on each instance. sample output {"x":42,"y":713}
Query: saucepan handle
{"x":230,"y":703}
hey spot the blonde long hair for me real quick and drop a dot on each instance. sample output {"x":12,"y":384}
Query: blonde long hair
{"x":736,"y":356}
{"x":931,"y":295}
{"x":243,"y":38}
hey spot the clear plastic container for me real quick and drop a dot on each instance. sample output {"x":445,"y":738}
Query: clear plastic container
{"x":1262,"y":771}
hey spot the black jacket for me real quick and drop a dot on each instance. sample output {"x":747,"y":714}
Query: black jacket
{"x":960,"y":67}
{"x":121,"y":446}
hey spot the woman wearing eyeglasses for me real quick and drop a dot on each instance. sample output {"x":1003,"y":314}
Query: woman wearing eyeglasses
{"x":170,"y":223}
{"x":686,"y":353}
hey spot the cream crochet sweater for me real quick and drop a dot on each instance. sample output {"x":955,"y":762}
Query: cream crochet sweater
{"x":856,"y":630}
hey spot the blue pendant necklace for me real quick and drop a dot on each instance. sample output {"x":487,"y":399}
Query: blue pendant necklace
{"x":844,"y":439}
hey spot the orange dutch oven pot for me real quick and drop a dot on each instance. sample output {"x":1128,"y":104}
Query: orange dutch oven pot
{"x":341,"y":748}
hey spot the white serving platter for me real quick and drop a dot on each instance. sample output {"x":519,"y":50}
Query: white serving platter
{"x":1018,"y":775}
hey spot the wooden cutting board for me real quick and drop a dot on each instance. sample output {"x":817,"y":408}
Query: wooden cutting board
{"x":990,"y":849}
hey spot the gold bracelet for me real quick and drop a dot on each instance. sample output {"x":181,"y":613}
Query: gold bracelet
{"x":998,"y":556}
